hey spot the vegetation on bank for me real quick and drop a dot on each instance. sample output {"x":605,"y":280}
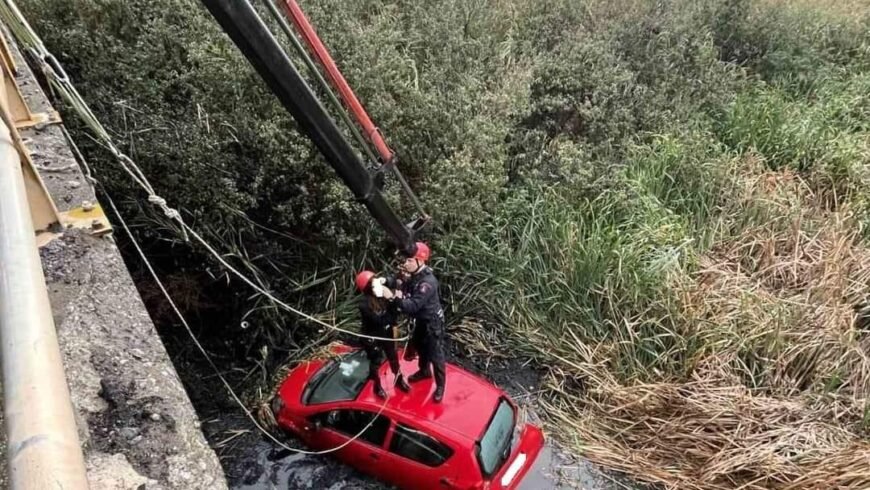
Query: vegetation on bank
{"x":663,"y":203}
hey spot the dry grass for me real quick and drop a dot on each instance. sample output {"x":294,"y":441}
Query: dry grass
{"x":853,"y":9}
{"x":776,"y":394}
{"x":710,"y":433}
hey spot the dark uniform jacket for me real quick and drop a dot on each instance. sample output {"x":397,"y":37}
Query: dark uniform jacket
{"x":422,"y":301}
{"x":378,"y":323}
{"x":374,"y":323}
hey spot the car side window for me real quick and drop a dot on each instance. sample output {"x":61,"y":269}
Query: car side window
{"x":418,"y":446}
{"x":352,"y":422}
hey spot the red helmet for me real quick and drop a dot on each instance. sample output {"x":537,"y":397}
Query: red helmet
{"x":422,"y":252}
{"x":362,"y":280}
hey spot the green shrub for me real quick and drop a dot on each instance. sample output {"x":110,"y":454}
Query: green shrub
{"x":797,"y":47}
{"x":575,"y":158}
{"x":584,"y":163}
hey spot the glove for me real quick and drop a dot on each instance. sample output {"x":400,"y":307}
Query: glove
{"x":391,"y":282}
{"x":378,"y":286}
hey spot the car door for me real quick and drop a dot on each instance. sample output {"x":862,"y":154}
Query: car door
{"x":334,"y":428}
{"x":420,"y":460}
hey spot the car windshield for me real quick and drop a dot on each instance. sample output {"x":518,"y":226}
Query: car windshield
{"x":494,"y":446}
{"x":343,"y":379}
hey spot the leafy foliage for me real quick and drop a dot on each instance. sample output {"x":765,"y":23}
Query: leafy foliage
{"x":588,"y":165}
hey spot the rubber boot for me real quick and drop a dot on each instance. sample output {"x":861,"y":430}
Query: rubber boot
{"x":439,"y":394}
{"x":419,"y":376}
{"x":402,"y":384}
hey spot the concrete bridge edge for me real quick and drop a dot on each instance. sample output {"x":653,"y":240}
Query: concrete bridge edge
{"x":136,"y":422}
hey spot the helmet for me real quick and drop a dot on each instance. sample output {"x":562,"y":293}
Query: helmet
{"x":362,"y":280}
{"x":422,"y":252}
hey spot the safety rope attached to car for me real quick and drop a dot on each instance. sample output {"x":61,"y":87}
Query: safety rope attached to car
{"x":211,"y":363}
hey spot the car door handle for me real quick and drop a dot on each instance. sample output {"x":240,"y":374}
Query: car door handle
{"x":374,"y":456}
{"x":445,"y":482}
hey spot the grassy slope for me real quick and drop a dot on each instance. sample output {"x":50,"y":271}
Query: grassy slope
{"x":703,"y":311}
{"x":663,"y":202}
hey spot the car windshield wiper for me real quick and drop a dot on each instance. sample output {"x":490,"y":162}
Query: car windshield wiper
{"x":505,"y":453}
{"x":508,"y":444}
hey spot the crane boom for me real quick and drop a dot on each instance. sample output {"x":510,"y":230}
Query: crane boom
{"x":309,"y":35}
{"x":240,"y":21}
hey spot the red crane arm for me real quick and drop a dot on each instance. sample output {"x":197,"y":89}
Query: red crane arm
{"x":309,"y":35}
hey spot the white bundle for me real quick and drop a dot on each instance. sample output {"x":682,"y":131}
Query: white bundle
{"x":378,"y":286}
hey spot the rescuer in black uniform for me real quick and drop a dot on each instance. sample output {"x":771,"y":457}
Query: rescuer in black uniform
{"x":419,"y":298}
{"x":378,"y":317}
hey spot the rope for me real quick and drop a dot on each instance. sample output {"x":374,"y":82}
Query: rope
{"x":277,"y":301}
{"x":21,"y":29}
{"x":60,"y":81}
{"x":187,"y":328}
{"x":211,"y":362}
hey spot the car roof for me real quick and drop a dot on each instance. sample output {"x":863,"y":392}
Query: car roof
{"x":468,"y":405}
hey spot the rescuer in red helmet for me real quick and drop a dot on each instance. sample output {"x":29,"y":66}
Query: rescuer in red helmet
{"x":419,"y":298}
{"x":378,"y":316}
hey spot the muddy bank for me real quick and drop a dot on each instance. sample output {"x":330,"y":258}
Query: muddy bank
{"x":136,"y":424}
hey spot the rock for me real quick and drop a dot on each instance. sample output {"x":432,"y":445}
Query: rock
{"x":114,"y":472}
{"x":128,"y":432}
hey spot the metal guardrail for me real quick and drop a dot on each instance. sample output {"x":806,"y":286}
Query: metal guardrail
{"x":43,"y":449}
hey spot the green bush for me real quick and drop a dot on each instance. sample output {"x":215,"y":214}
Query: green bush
{"x":796,"y":47}
{"x":576,"y":157}
{"x":584,"y":162}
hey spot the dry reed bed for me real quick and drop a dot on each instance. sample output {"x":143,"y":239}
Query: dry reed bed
{"x":775,"y":396}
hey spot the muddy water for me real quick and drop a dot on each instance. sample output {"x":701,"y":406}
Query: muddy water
{"x":257,"y":464}
{"x":271,"y":468}
{"x":252,"y":462}
{"x":266,"y":467}
{"x":278,"y":468}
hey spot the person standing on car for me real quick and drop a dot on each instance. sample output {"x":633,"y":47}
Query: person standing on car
{"x":419,"y":298}
{"x":378,"y":316}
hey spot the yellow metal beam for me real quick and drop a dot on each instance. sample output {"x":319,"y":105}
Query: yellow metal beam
{"x":13,"y":99}
{"x":48,"y":222}
{"x":43,"y":212}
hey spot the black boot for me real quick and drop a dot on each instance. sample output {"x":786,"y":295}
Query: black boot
{"x":402,"y":384}
{"x":439,"y":394}
{"x":379,"y":391}
{"x":419,"y":376}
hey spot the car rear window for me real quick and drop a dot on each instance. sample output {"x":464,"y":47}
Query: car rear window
{"x":495,"y":444}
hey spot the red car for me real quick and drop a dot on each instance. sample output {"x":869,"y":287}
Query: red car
{"x":477,"y":438}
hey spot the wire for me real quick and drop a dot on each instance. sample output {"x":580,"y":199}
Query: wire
{"x":211,"y":362}
{"x":277,"y":301}
{"x":61,"y":83}
{"x":229,"y":388}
